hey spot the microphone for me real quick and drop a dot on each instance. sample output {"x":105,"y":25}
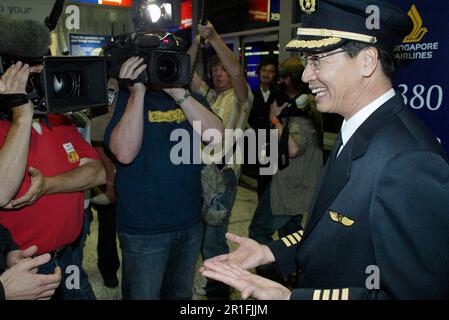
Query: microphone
{"x":52,"y":20}
{"x":203,"y":21}
{"x":302,"y":101}
{"x":148,"y":40}
{"x":23,"y":38}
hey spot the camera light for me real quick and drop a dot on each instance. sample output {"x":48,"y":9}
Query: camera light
{"x":155,"y":12}
{"x":166,"y":7}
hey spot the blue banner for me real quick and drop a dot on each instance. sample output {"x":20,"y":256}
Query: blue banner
{"x":424,"y":81}
{"x":86,"y":44}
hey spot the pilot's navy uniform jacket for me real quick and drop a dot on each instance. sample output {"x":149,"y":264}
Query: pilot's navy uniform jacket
{"x":378,"y":225}
{"x":382,"y":202}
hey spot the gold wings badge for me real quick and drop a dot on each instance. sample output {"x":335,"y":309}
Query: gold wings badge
{"x":341,"y":219}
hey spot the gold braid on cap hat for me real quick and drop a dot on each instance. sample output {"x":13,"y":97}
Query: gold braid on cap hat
{"x":297,"y":44}
{"x":336,"y":33}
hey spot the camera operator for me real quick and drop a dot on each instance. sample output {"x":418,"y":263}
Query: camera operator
{"x":159,"y":202}
{"x":20,"y":281}
{"x":45,"y":164}
{"x":286,"y":199}
{"x":231,"y":99}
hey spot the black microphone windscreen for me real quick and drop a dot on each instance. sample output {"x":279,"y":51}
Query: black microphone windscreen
{"x":302,"y":101}
{"x":148,"y":40}
{"x":23,"y":38}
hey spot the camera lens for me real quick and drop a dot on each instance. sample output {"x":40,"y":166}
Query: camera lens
{"x":66,"y":84}
{"x":167,"y":68}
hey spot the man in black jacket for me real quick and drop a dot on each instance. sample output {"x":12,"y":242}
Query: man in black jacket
{"x":259,"y":117}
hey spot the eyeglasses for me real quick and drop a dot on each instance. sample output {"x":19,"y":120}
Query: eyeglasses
{"x":314,"y":60}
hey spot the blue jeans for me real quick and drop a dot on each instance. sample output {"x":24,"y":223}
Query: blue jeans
{"x":78,"y":245}
{"x":68,"y":263}
{"x":214,"y":242}
{"x":264,"y":224}
{"x":160,"y":266}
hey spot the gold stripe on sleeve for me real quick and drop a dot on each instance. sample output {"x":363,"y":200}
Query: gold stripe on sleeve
{"x":317,"y":295}
{"x":336,"y":294}
{"x":286,"y":242}
{"x":297,"y":236}
{"x":345,"y":294}
{"x":292,"y":240}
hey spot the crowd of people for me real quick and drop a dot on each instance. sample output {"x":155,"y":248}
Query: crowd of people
{"x":379,"y":200}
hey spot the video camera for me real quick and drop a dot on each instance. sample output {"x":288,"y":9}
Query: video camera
{"x":296,"y":107}
{"x":73,"y":83}
{"x":167,"y":64}
{"x":65,"y":83}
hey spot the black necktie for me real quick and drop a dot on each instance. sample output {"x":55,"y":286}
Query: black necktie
{"x":337,"y":145}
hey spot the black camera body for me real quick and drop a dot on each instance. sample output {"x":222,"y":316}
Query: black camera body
{"x":167,"y":64}
{"x":66,"y":84}
{"x":34,"y":86}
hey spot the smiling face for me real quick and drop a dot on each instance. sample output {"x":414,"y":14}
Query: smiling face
{"x":337,"y":83}
{"x":220,"y":78}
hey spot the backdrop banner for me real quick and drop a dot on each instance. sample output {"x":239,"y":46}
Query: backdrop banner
{"x":424,"y":80}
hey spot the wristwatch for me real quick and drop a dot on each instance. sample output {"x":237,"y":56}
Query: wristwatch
{"x":184,"y":98}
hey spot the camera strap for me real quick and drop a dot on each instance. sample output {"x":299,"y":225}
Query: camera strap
{"x":12,"y":100}
{"x":195,"y":63}
{"x":126,"y":83}
{"x":202,"y":46}
{"x":283,"y":155}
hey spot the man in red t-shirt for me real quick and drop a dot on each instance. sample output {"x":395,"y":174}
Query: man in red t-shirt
{"x":44,"y":167}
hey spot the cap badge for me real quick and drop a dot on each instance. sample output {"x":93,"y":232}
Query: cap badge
{"x":308,"y":6}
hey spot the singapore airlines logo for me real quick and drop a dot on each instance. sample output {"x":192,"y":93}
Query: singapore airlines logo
{"x":418,"y":30}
